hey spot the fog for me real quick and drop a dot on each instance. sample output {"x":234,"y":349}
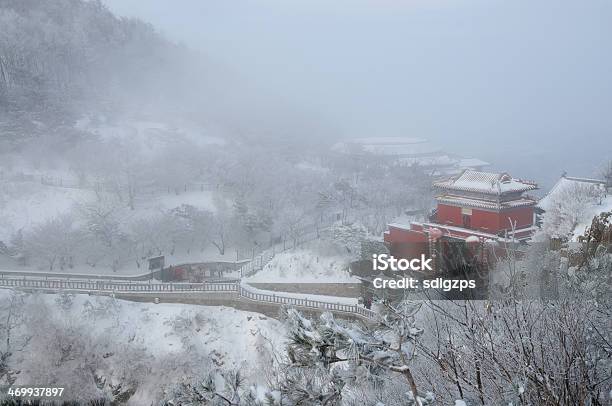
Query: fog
{"x":523,"y":85}
{"x":206,"y":203}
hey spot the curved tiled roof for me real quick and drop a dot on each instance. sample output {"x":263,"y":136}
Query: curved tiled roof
{"x":565,"y":183}
{"x":486,"y":182}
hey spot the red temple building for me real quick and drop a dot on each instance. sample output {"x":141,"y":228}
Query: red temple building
{"x":473,"y":206}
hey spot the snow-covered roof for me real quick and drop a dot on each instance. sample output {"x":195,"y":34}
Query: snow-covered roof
{"x":429,"y":161}
{"x":410,"y":151}
{"x":486,"y":182}
{"x":467,"y":163}
{"x":388,"y":140}
{"x":566,"y":183}
{"x":388,"y":146}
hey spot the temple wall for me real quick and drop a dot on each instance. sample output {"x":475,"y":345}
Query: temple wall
{"x":450,"y":215}
{"x":522,"y":215}
{"x":404,"y":243}
{"x":484,"y":220}
{"x":487,"y":221}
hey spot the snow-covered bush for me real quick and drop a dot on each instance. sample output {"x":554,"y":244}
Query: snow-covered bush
{"x":326,"y":358}
{"x":348,"y":236}
{"x":52,"y":243}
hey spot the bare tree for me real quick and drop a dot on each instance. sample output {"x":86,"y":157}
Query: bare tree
{"x":54,"y":241}
{"x":568,"y":208}
{"x":521,"y":349}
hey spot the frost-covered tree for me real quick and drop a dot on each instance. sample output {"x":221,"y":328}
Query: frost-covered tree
{"x":597,"y":236}
{"x":606,"y":174}
{"x":218,"y":388}
{"x":327,"y":359}
{"x":158,"y":234}
{"x":106,"y":239}
{"x":524,"y":348}
{"x":591,"y":270}
{"x":350,"y":236}
{"x":568,"y":208}
{"x":56,"y":55}
{"x":518,"y":351}
{"x":54,"y":242}
{"x":50,"y":342}
{"x":197,"y":225}
{"x":11,"y":309}
{"x":325,"y":362}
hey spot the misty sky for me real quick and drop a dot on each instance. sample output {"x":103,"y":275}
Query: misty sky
{"x":526,"y":85}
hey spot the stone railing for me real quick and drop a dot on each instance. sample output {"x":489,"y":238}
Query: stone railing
{"x":242,"y":291}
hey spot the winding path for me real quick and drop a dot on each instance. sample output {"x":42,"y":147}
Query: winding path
{"x":213,"y":293}
{"x":221,"y":292}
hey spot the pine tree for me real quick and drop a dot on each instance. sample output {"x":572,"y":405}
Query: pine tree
{"x":326,"y":355}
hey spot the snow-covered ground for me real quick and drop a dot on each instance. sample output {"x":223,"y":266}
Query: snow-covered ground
{"x":310,"y":166}
{"x":312,"y":264}
{"x":151,"y":136}
{"x":229,"y":333}
{"x":173,"y":335}
{"x":25,"y":204}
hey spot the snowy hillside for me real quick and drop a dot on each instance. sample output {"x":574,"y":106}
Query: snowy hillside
{"x":174,"y":335}
{"x":313,"y":264}
{"x":134,"y":176}
{"x":151,"y":137}
{"x":25,"y":204}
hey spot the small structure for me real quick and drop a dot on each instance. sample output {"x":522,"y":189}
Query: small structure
{"x":156,"y":263}
{"x":571,"y":184}
{"x":156,"y":266}
{"x":584,"y":198}
{"x":199,"y":271}
{"x":408,"y":151}
{"x":474,"y":205}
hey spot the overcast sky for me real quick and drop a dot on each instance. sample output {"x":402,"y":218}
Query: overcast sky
{"x":525,"y":84}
